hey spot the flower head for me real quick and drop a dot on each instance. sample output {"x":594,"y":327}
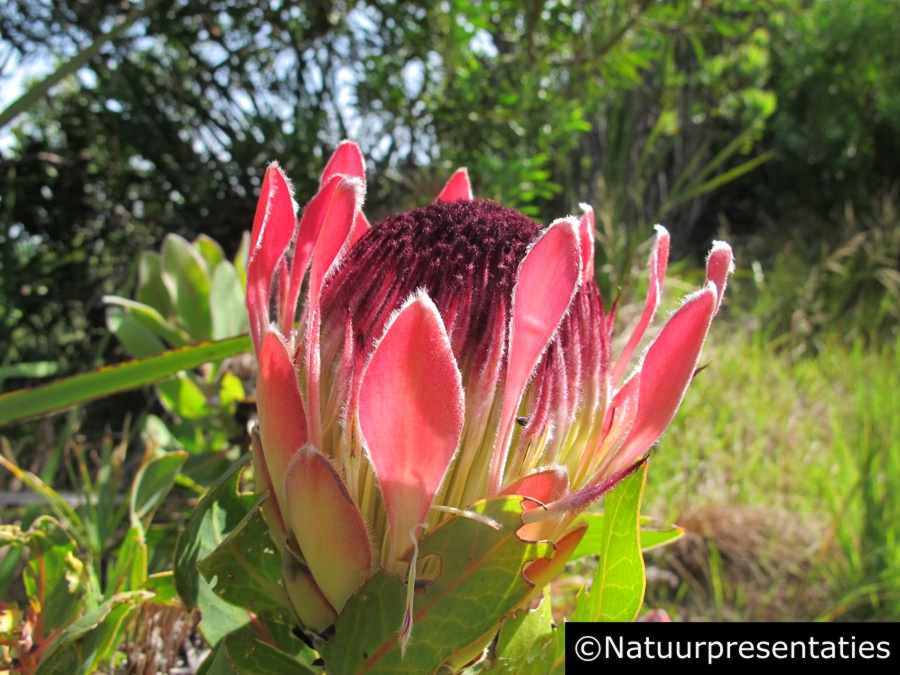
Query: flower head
{"x":446,"y":355}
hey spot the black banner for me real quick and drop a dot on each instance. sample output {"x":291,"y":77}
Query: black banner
{"x":593,"y":647}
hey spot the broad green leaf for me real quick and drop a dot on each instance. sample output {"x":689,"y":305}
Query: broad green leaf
{"x":150,"y":289}
{"x":182,"y":396}
{"x":246,"y":566}
{"x":150,"y":319}
{"x":229,"y":316}
{"x":527,"y":643}
{"x":618,"y":588}
{"x":188,"y":281}
{"x":241,"y":653}
{"x":85,"y":643}
{"x":217,"y":515}
{"x":25,"y":403}
{"x":153,"y":482}
{"x":478,"y":584}
{"x":139,"y":340}
{"x":210,"y":251}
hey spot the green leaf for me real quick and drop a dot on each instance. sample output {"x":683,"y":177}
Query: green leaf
{"x":210,"y":251}
{"x":134,"y":336}
{"x":240,"y":259}
{"x":247,"y":566}
{"x":54,"y":575}
{"x":218,"y":514}
{"x":58,"y":505}
{"x":150,"y":319}
{"x":33,"y":369}
{"x":151,"y":290}
{"x":153,"y":482}
{"x":723,"y":178}
{"x":527,"y":642}
{"x":88,"y":641}
{"x":162,"y":585}
{"x":241,"y":653}
{"x":188,"y":281}
{"x":618,"y":588}
{"x":129,"y":572}
{"x":25,"y":403}
{"x":231,"y":391}
{"x":182,"y":396}
{"x":479,"y":584}
{"x":157,"y":435}
{"x":654,"y":538}
{"x":592,"y":542}
{"x":229,"y":316}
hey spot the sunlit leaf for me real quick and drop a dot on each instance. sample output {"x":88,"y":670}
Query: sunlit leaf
{"x":229,"y":316}
{"x":153,"y":482}
{"x":150,"y":319}
{"x":527,"y":642}
{"x":86,"y":642}
{"x":246,"y":566}
{"x":139,"y":340}
{"x":243,"y":654}
{"x":217,"y":515}
{"x":183,"y":397}
{"x":479,"y":579}
{"x":186,"y":277}
{"x":129,"y":571}
{"x":593,"y":540}
{"x":20,"y":405}
{"x":618,"y":588}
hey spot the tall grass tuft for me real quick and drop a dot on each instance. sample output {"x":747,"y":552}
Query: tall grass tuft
{"x":786,"y":472}
{"x":864,"y":487}
{"x":839,"y":276}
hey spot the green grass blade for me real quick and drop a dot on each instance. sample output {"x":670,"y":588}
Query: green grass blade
{"x":26,"y":403}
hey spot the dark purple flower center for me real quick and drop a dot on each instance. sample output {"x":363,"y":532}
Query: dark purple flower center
{"x":465,"y":254}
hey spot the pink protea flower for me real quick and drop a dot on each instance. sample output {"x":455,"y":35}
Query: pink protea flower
{"x":445,"y":355}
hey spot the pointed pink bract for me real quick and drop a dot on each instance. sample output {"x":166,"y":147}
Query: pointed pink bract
{"x":658,"y":261}
{"x":273,"y":229}
{"x":326,"y":222}
{"x":719,"y":264}
{"x":458,"y":187}
{"x":586,"y":235}
{"x":328,"y":526}
{"x":666,"y":372}
{"x":411,"y":414}
{"x":282,"y":421}
{"x":547,"y":281}
{"x":545,"y":486}
{"x":347,"y":160}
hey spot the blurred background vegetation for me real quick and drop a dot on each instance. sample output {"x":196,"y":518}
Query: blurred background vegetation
{"x":772,"y":124}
